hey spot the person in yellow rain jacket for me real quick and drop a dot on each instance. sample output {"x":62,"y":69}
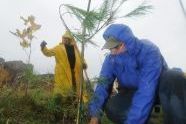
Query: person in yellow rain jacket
{"x":68,"y":65}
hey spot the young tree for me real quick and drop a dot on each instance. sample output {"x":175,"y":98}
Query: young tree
{"x":93,"y":21}
{"x":26,"y":35}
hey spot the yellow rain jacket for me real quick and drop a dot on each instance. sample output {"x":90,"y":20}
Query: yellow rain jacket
{"x":63,"y":77}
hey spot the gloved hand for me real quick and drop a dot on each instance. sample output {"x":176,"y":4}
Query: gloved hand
{"x":43,"y":44}
{"x":84,"y":66}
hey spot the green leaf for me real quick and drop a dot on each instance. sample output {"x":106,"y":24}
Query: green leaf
{"x":140,"y":10}
{"x":91,"y":21}
{"x":105,"y":9}
{"x":79,"y":13}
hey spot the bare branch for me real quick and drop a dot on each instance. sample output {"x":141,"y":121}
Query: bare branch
{"x":61,"y":17}
{"x":182,"y":7}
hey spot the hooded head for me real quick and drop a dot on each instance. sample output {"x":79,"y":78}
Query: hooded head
{"x":68,"y":38}
{"x":120,"y":33}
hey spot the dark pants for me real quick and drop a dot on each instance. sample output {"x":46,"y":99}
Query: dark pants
{"x":172,"y":93}
{"x":118,"y":106}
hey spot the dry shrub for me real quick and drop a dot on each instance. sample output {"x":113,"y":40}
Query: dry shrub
{"x":4,"y":76}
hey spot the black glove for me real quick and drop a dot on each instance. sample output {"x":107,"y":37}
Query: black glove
{"x":43,"y":44}
{"x":84,"y":66}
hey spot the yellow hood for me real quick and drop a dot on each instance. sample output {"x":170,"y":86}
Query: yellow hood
{"x":68,"y":34}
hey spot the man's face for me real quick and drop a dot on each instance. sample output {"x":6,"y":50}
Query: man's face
{"x":118,"y":49}
{"x":66,"y":40}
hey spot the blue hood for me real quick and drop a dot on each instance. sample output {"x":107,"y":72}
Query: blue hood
{"x":124,"y":34}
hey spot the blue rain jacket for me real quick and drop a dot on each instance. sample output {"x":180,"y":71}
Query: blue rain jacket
{"x":138,"y":67}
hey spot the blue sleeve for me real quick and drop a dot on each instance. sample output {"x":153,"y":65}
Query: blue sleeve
{"x":101,"y":93}
{"x":143,"y":99}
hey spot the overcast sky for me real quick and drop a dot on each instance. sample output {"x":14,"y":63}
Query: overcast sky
{"x":165,"y":26}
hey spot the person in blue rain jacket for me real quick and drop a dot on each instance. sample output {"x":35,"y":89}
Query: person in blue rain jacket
{"x":137,"y":65}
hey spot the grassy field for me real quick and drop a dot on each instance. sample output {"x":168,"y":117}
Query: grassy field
{"x":34,"y":104}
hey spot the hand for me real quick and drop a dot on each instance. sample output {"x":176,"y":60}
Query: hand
{"x":94,"y":120}
{"x":43,"y":44}
{"x":84,"y":66}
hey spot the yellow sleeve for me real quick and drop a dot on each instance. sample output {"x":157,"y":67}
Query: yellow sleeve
{"x":48,"y":52}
